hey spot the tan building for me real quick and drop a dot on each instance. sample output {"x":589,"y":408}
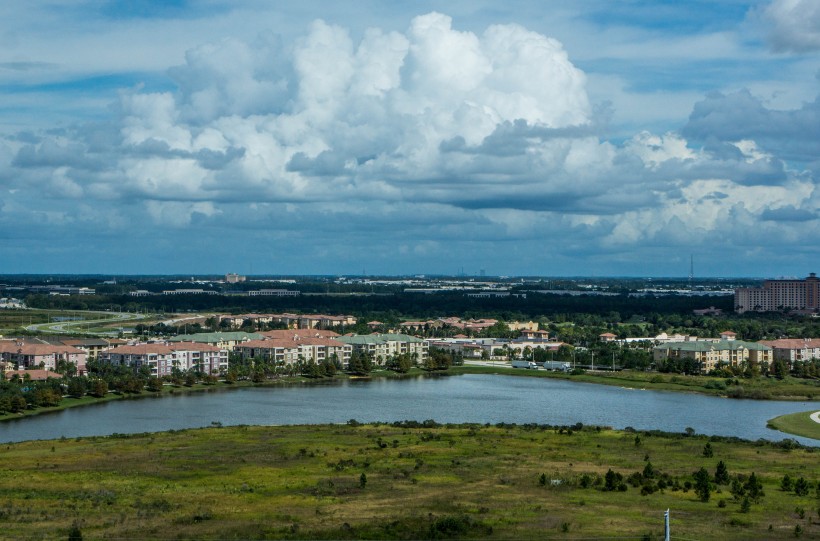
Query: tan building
{"x":710,"y":354}
{"x":382,"y":347}
{"x":776,"y":295}
{"x":523,"y":326}
{"x":294,"y":347}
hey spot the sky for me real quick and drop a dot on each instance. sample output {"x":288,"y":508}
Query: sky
{"x":515,"y":137}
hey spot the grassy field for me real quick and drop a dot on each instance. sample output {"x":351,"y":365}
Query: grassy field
{"x":394,"y":482}
{"x":799,"y":424}
{"x":759,"y":388}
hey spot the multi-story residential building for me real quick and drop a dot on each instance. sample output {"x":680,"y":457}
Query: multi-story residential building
{"x":45,"y":356}
{"x":313,"y":321}
{"x":542,"y":336}
{"x":710,"y":354}
{"x":382,"y":347}
{"x":93,"y":346}
{"x":201,"y":357}
{"x":296,"y":348}
{"x":297,"y":334}
{"x":780,"y":295}
{"x":794,"y":349}
{"x":162,"y":359}
{"x":222,"y":340}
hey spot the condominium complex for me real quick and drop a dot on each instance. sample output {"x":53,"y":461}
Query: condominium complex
{"x":775,"y":295}
{"x":710,"y":354}
{"x":162,"y":359}
{"x":46,"y":356}
{"x":381,"y":347}
{"x":794,"y":349}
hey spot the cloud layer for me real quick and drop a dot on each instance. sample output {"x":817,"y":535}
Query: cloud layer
{"x":414,"y":151}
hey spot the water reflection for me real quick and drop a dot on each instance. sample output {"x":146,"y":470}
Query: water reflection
{"x":451,"y":399}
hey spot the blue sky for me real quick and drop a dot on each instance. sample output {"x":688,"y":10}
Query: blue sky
{"x":586,"y":138}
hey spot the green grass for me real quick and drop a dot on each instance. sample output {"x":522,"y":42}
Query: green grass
{"x":460,"y":481}
{"x":799,"y":424}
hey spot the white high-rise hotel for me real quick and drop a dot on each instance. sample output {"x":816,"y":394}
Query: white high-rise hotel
{"x":780,"y":295}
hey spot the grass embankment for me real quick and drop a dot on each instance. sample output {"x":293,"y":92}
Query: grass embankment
{"x":755,"y":388}
{"x":799,"y":424}
{"x":383,"y":481}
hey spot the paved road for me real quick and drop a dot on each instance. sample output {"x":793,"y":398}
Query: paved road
{"x":77,"y":326}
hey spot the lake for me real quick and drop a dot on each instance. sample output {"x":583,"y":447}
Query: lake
{"x":470,"y":398}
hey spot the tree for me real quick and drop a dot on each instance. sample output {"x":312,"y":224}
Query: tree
{"x":154,"y":385}
{"x":781,"y":369}
{"x":360,"y":364}
{"x":328,"y":367}
{"x":721,"y":474}
{"x":703,"y":486}
{"x":755,"y":488}
{"x":99,"y":388}
{"x":707,"y":450}
{"x":362,"y":480}
{"x":76,"y":387}
{"x":786,"y":484}
{"x":74,"y":534}
{"x":613,"y":481}
{"x":801,"y":487}
{"x":18,"y":403}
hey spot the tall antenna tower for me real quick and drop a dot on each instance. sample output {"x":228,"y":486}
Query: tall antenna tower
{"x":691,"y":269}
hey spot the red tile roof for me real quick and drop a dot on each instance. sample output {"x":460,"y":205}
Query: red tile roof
{"x":36,"y":375}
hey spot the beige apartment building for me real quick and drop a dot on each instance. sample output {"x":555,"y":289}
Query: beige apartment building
{"x":710,"y":354}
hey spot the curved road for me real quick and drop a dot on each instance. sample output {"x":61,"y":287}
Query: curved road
{"x":76,"y":326}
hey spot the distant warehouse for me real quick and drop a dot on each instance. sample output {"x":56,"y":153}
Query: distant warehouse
{"x":273,"y":293}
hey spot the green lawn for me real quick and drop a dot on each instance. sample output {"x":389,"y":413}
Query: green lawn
{"x":799,"y":424}
{"x":394,"y":482}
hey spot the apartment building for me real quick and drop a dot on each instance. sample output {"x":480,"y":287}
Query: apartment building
{"x":45,"y":356}
{"x":163,"y":358}
{"x":222,"y":340}
{"x":710,"y":354}
{"x":775,"y":295}
{"x":794,"y":349}
{"x":93,"y":346}
{"x":296,"y":348}
{"x":381,"y":347}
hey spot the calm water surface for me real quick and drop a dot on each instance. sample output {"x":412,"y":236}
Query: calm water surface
{"x":454,"y":399}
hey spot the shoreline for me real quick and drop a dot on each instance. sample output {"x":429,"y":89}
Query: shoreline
{"x":655,"y":382}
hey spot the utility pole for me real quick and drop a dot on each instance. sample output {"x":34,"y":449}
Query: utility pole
{"x":666,"y":533}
